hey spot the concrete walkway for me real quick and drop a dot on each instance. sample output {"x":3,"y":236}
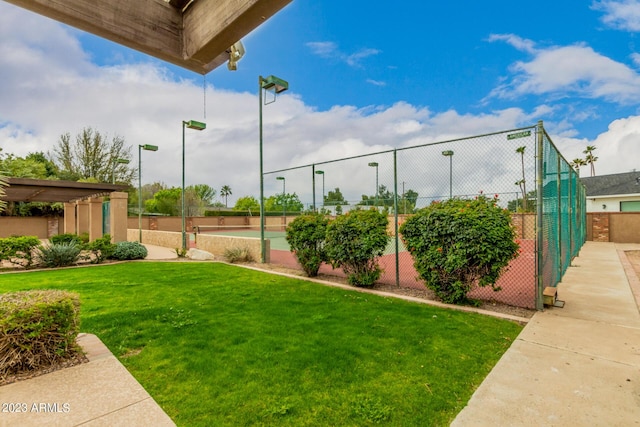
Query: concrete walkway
{"x":572,"y":366}
{"x":98,"y":393}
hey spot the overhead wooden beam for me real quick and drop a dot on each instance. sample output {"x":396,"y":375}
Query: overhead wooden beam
{"x":234,"y":19}
{"x":197,"y":40}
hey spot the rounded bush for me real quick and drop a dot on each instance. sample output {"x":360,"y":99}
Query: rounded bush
{"x":459,"y":244}
{"x":128,"y":250}
{"x":306,"y":237}
{"x":354,"y":242}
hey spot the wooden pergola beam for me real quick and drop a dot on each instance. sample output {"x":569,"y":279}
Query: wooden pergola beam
{"x":197,"y":39}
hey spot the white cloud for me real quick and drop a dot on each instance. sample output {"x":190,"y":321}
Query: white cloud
{"x":568,"y":71}
{"x":621,"y":15}
{"x":331,"y":50}
{"x":49,"y":87}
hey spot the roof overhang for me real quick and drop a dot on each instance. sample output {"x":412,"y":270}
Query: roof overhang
{"x":193,"y":34}
{"x":42,"y":190}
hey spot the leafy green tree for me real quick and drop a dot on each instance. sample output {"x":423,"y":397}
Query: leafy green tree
{"x":459,"y":244}
{"x":384,"y":198}
{"x":205,"y":193}
{"x":354,"y":242}
{"x":166,"y":202}
{"x":225,"y":192}
{"x":306,"y":237}
{"x":334,"y":198}
{"x":289,"y":202}
{"x":91,"y":155}
{"x":247,"y":203}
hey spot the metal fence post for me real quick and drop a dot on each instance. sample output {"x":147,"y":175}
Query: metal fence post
{"x":395,"y":210}
{"x":539,"y":214}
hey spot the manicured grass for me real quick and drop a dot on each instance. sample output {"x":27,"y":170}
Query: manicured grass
{"x":220,"y":345}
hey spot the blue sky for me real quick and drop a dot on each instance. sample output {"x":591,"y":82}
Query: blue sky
{"x":449,"y":69}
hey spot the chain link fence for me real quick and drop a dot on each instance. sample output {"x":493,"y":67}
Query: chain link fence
{"x":521,"y":167}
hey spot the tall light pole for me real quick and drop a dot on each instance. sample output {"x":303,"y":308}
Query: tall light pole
{"x":147,"y":147}
{"x":277,"y":85}
{"x":322,"y":173}
{"x":449,"y":154}
{"x":284,"y":199}
{"x":191,"y":124}
{"x":116,"y":162}
{"x":375,"y":165}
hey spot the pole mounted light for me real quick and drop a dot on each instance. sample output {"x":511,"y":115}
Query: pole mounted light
{"x":116,"y":162}
{"x":322,"y":173}
{"x":375,"y":165}
{"x":449,"y":154}
{"x":147,"y":147}
{"x":284,"y":200}
{"x":275,"y":85}
{"x":191,"y":124}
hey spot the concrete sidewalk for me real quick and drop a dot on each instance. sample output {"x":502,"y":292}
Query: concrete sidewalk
{"x":98,"y":393}
{"x":572,"y":366}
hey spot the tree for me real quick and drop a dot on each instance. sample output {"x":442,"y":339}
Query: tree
{"x":458,"y":245}
{"x":225,"y":192}
{"x":247,"y":203}
{"x":523,"y":182}
{"x":334,"y":198}
{"x":92,"y":156}
{"x":383,"y":198}
{"x":518,"y":206}
{"x":590,"y":158}
{"x":166,"y":201}
{"x":205,"y":193}
{"x":576,"y":163}
{"x":287,"y":202}
{"x":407,"y":203}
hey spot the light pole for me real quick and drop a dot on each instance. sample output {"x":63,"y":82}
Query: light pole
{"x":277,"y":85}
{"x":284,"y":200}
{"x":375,"y":165}
{"x":449,"y":154}
{"x":191,"y":124}
{"x":322,"y":173}
{"x":113,"y":169}
{"x":147,"y":147}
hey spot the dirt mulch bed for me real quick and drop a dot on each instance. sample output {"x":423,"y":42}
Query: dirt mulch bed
{"x":425,"y":293}
{"x":74,"y":360}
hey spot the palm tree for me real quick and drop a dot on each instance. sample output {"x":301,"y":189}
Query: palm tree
{"x":522,"y":182}
{"x":225,"y":192}
{"x":576,"y":163}
{"x":590,"y":158}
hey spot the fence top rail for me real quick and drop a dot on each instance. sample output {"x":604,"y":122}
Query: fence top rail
{"x":448,"y":141}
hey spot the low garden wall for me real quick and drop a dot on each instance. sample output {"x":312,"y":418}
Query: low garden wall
{"x":214,"y":244}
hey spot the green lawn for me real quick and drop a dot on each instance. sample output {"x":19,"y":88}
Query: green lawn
{"x":217,"y":345}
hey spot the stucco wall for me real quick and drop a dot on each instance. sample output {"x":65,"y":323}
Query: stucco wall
{"x":24,"y":226}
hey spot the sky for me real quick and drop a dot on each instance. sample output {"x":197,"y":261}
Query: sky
{"x":362,"y":80}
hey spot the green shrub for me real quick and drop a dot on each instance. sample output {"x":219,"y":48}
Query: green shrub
{"x":234,"y":255}
{"x":306,"y":237}
{"x":128,"y":250}
{"x":58,"y":255}
{"x":354,"y":242}
{"x":101,"y":249}
{"x":37,"y":328}
{"x":19,"y":249}
{"x":65,"y":238}
{"x":459,"y":244}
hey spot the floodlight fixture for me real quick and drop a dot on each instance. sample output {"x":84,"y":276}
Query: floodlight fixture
{"x":191,"y":124}
{"x":146,"y":147}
